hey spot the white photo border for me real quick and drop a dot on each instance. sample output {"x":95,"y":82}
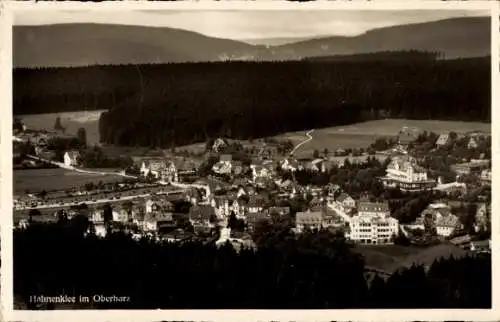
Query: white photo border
{"x":7,"y":10}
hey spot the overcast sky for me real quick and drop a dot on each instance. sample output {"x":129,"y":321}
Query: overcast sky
{"x":241,"y":25}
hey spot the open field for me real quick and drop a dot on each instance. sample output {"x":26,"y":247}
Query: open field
{"x":72,"y":121}
{"x":361,"y":135}
{"x":392,"y":257}
{"x":37,"y":180}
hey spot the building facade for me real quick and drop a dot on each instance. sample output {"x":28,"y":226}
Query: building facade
{"x":308,"y":220}
{"x":405,"y":174}
{"x":71,"y":158}
{"x":373,"y":224}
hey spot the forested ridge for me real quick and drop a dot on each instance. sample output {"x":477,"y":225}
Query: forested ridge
{"x":316,"y":270}
{"x":413,"y":55}
{"x":173,"y":104}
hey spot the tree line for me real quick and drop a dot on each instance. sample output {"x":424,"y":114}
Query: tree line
{"x":174,"y":104}
{"x":404,"y":56}
{"x":316,"y":270}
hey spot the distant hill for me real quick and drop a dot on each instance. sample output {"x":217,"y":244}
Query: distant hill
{"x":384,"y":56}
{"x":102,"y":44}
{"x":64,"y":45}
{"x":455,"y":38}
{"x":274,"y":41}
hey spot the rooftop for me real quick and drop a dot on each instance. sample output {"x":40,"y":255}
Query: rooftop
{"x":309,"y":217}
{"x":373,"y":207}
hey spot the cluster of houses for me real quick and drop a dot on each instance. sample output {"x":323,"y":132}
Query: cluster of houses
{"x":255,"y":189}
{"x":438,"y":216}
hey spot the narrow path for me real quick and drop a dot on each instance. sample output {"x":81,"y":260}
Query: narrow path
{"x":71,"y":168}
{"x":338,"y":211}
{"x":309,"y":138}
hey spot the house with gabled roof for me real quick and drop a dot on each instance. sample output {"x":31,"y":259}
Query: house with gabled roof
{"x":224,"y":165}
{"x":346,"y":202}
{"x":483,"y":217}
{"x":160,"y":169}
{"x":261,"y":171}
{"x":486,"y":177}
{"x":219,"y":144}
{"x":152,"y":167}
{"x":154,"y":221}
{"x":406,"y":136}
{"x":256,"y":203}
{"x":472,"y":144}
{"x":290,"y":164}
{"x":238,"y":207}
{"x":282,"y":211}
{"x":308,"y":220}
{"x":441,"y":217}
{"x":319,"y":165}
{"x":72,"y":158}
{"x":203,"y":215}
{"x":443,"y":139}
{"x":252,"y":218}
{"x":236,"y":167}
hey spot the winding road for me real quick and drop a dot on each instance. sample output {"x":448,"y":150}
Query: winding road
{"x":309,"y":138}
{"x":181,"y":186}
{"x":71,"y":168}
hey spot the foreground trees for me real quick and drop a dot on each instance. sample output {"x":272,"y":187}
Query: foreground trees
{"x":317,"y":270}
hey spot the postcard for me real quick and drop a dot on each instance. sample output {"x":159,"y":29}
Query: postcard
{"x":249,"y":161}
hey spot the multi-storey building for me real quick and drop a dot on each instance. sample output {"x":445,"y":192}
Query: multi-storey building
{"x":309,"y":219}
{"x":160,"y":169}
{"x":404,"y":173}
{"x":486,"y":177}
{"x":437,"y":218}
{"x":373,"y":224}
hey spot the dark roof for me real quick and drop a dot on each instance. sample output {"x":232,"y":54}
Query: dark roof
{"x":406,"y":137}
{"x":225,"y":157}
{"x":279,"y":210}
{"x":257,"y":162}
{"x":254,"y":217}
{"x":201,"y":212}
{"x":159,"y":216}
{"x":237,"y":163}
{"x":309,"y":217}
{"x":373,"y":207}
{"x":256,"y":201}
{"x":343,"y":196}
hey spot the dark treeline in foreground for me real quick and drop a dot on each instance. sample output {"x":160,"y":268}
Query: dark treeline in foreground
{"x":404,"y":56}
{"x":175,"y":104}
{"x":317,"y":270}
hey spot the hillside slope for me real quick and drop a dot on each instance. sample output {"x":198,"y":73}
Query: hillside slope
{"x":458,"y":37}
{"x":102,"y":44}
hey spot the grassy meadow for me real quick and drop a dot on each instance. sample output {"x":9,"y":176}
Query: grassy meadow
{"x":72,"y":121}
{"x":392,"y":257}
{"x":361,"y":135}
{"x":37,"y":180}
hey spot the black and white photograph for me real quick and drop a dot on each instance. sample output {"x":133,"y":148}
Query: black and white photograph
{"x":251,"y":159}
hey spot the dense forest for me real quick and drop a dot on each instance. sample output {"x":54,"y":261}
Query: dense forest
{"x":413,"y":55}
{"x":174,"y":104}
{"x":316,"y":270}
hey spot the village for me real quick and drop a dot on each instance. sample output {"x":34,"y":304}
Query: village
{"x":415,"y":192}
